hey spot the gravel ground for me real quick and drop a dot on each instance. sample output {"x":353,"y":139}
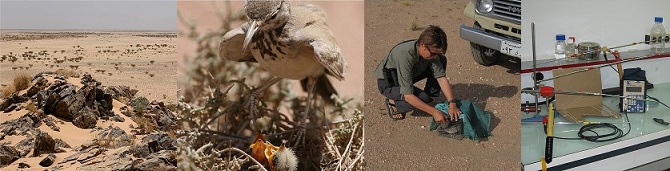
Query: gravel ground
{"x":407,"y":144}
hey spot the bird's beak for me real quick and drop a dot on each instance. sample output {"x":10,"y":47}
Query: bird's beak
{"x":253,"y":27}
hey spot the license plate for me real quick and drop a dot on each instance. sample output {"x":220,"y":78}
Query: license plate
{"x":510,"y":48}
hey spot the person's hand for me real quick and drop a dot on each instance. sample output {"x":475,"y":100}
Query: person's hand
{"x":454,"y":112}
{"x":439,"y":117}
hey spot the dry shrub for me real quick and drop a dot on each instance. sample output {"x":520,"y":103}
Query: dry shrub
{"x":145,"y":124}
{"x":215,"y":119}
{"x":31,"y":107}
{"x":7,"y":91}
{"x":67,"y":73}
{"x":21,"y":81}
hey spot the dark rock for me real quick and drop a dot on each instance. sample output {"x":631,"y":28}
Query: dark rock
{"x":40,"y":99}
{"x":163,"y":117}
{"x":87,"y":78}
{"x":67,"y":99}
{"x":42,"y":74}
{"x":23,"y":165}
{"x":106,"y":102}
{"x":8,"y":154}
{"x":59,"y":77}
{"x":89,"y":154}
{"x":118,"y":118}
{"x":86,"y":119}
{"x":99,"y":93}
{"x":47,"y":161}
{"x":121,"y":92}
{"x":12,"y":99}
{"x":49,"y":121}
{"x":169,"y":156}
{"x":125,"y":110}
{"x":61,"y":144}
{"x":51,"y":102}
{"x":114,"y":137}
{"x":39,"y":83}
{"x":153,"y":143}
{"x":25,"y":146}
{"x":72,"y":157}
{"x":36,"y":118}
{"x":124,"y":166}
{"x":44,"y":144}
{"x":11,"y":108}
{"x":18,"y":126}
{"x":155,"y":164}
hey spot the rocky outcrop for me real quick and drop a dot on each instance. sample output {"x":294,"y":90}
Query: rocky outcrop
{"x":11,"y":100}
{"x":57,"y":101}
{"x":8,"y":154}
{"x":44,"y":144}
{"x":114,"y":137}
{"x":47,"y":161}
{"x":119,"y":92}
{"x":153,"y":143}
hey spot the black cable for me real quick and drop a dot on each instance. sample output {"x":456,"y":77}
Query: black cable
{"x":607,"y":62}
{"x":615,"y":134}
{"x":653,"y":98}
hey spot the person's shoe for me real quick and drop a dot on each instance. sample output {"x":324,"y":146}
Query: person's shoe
{"x":392,"y":111}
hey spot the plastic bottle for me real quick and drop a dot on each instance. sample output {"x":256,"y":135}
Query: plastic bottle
{"x":657,"y":37}
{"x":560,"y":46}
{"x":570,"y":50}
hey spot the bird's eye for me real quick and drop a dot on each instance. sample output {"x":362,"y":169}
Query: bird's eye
{"x":273,"y":16}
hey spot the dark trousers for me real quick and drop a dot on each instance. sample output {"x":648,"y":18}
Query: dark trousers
{"x":432,"y":89}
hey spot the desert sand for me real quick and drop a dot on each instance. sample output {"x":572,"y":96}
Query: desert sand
{"x":82,"y":144}
{"x":141,"y":60}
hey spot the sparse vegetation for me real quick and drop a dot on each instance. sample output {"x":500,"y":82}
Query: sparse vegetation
{"x":67,"y":73}
{"x":139,"y":103}
{"x":212,"y":108}
{"x":413,"y":25}
{"x":21,"y":81}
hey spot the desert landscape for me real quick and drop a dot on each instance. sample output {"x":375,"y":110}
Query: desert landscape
{"x":114,"y":57}
{"x":87,"y":100}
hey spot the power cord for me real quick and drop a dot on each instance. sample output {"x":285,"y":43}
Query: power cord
{"x":655,"y":99}
{"x":590,"y":128}
{"x":615,"y":134}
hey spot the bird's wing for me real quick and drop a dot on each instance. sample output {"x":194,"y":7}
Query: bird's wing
{"x":230,"y":47}
{"x":312,"y":31}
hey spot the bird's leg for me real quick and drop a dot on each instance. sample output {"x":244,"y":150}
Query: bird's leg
{"x":251,"y":101}
{"x":311,"y":85}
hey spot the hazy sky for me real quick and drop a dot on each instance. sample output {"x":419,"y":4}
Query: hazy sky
{"x":107,"y":15}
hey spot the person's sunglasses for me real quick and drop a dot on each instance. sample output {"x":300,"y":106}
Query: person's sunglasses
{"x":433,"y":54}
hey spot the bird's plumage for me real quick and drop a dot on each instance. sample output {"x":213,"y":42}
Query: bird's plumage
{"x":305,"y":31}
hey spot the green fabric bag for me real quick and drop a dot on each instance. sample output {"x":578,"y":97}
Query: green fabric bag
{"x":476,"y":122}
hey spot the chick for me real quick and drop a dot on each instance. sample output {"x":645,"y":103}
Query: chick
{"x":258,"y":147}
{"x":285,"y":160}
{"x":276,"y":158}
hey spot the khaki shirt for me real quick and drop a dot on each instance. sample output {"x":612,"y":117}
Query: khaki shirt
{"x":405,"y":58}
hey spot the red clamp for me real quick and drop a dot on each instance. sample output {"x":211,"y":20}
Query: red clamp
{"x":546,"y":91}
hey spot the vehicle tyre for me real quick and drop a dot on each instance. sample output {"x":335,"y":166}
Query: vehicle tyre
{"x":483,"y":55}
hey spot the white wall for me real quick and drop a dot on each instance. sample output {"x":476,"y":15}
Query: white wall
{"x":608,"y":22}
{"x":656,"y":70}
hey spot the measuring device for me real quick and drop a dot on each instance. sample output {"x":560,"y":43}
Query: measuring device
{"x":634,"y":90}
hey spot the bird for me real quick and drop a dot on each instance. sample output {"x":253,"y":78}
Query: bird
{"x":290,"y":42}
{"x":277,"y":158}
